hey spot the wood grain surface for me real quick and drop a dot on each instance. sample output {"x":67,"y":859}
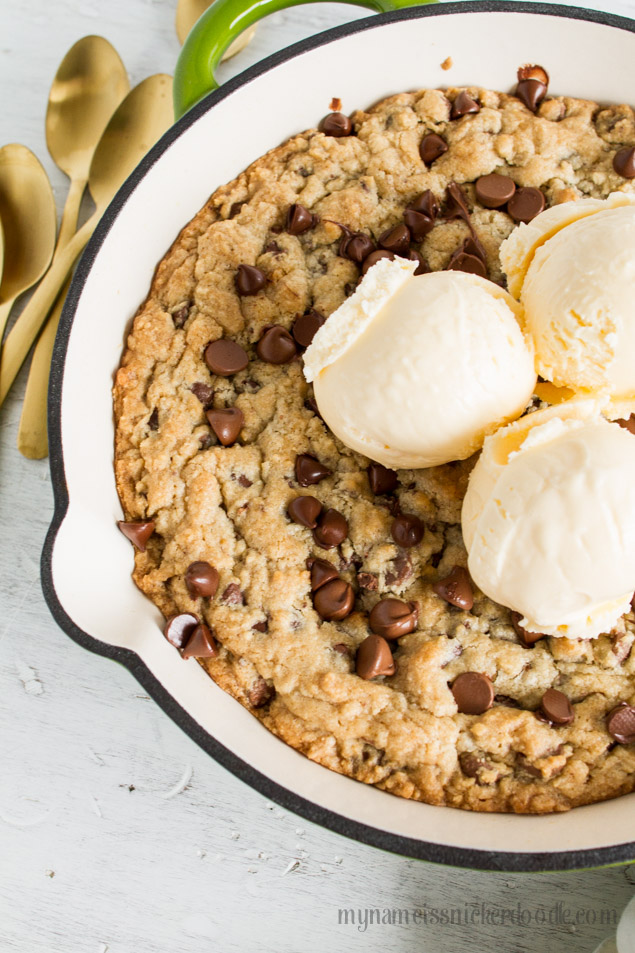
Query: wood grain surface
{"x":117,"y":834}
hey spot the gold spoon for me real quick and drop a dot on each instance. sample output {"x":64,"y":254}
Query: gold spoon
{"x":143,"y":116}
{"x":88,"y":86}
{"x":27,"y":211}
{"x":189,"y":11}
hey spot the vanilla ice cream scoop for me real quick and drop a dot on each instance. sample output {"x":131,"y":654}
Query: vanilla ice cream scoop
{"x":573,"y":268}
{"x":549,"y":520}
{"x":415,"y":371}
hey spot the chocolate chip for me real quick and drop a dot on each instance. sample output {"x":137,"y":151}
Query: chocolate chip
{"x":525,"y":204}
{"x":472,"y":246}
{"x":494,"y":190}
{"x":179,"y":628}
{"x":374,"y":257}
{"x":392,"y":618}
{"x":473,"y":693}
{"x":456,"y":588}
{"x":225,"y":357}
{"x":235,"y":209}
{"x":245,"y":481}
{"x":299,"y":220}
{"x":471,"y":764}
{"x":464,"y":104}
{"x":470,"y":264}
{"x":470,"y":257}
{"x":456,"y":203}
{"x":309,"y":470}
{"x":205,"y":441}
{"x":401,"y":570}
{"x":180,"y":317}
{"x":432,"y":148}
{"x":260,"y":693}
{"x":407,"y":530}
{"x":628,"y":424}
{"x":322,"y":572}
{"x":334,"y":600}
{"x":249,"y":280}
{"x":306,"y":326}
{"x":203,"y":392}
{"x":381,"y":479}
{"x":226,"y":424}
{"x":624,"y":162}
{"x":532,"y":86}
{"x":137,"y":531}
{"x":368,"y":581}
{"x":556,"y":707}
{"x":374,"y":658}
{"x":201,"y":579}
{"x":356,"y":246}
{"x":423,"y":268}
{"x":331,"y":530}
{"x":276,"y":346}
{"x":528,"y":639}
{"x":620,"y":724}
{"x":337,"y":125}
{"x":396,"y":240}
{"x":418,"y":224}
{"x":260,"y":626}
{"x":531,"y":92}
{"x":533,"y":72}
{"x":232,"y":596}
{"x":201,"y":644}
{"x":273,"y":248}
{"x":426,"y":203}
{"x":305,"y":510}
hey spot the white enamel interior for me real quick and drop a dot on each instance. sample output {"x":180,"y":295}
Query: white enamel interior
{"x":92,"y":560}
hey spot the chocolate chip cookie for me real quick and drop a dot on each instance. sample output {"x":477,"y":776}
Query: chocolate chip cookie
{"x":326,"y":593}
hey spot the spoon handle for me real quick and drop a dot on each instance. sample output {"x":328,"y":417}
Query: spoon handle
{"x":32,"y":432}
{"x":32,"y":429}
{"x":26,"y":328}
{"x":71,"y":212}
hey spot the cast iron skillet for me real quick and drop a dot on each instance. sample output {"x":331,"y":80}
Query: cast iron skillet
{"x":194,"y":78}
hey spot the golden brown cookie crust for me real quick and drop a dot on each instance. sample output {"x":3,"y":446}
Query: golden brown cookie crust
{"x":227,"y":505}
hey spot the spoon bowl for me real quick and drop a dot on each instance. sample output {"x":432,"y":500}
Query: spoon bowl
{"x":89,"y":85}
{"x":27,"y":212}
{"x":141,"y":119}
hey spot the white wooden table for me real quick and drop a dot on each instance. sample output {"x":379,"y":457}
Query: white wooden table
{"x":116,"y":832}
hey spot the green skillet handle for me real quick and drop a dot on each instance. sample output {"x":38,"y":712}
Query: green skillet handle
{"x":219,"y":26}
